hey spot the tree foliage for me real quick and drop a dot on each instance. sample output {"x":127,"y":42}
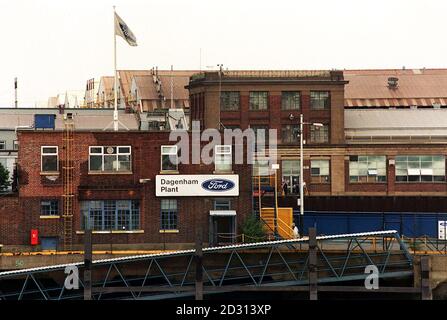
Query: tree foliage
{"x":253,"y":229}
{"x":4,"y":178}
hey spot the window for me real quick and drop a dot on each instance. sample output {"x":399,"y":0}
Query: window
{"x":290,"y":100}
{"x":49,"y":159}
{"x":259,"y":100}
{"x":169,"y":158}
{"x":2,"y":145}
{"x":290,"y":133}
{"x":367,"y":169}
{"x":420,"y":168}
{"x":320,"y":100}
{"x":49,"y":208}
{"x":110,"y":215}
{"x":110,"y":158}
{"x":222,"y":204}
{"x":222,"y":158}
{"x":319,"y":134}
{"x":319,"y":170}
{"x":229,"y":100}
{"x":261,"y":172}
{"x":168,"y":214}
{"x":291,"y":175}
{"x":261,"y":133}
{"x":15,"y":144}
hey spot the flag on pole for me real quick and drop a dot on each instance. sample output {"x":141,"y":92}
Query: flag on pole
{"x":122,"y":30}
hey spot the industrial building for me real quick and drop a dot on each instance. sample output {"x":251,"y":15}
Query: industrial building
{"x":380,"y":146}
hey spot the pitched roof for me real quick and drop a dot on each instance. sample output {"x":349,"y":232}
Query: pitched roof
{"x":419,"y":87}
{"x":126,"y":76}
{"x":146,"y":87}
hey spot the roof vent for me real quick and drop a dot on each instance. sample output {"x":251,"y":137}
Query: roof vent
{"x":392,"y":82}
{"x":436,"y":105}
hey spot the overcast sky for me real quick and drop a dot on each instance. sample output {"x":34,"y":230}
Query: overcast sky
{"x":53,"y":46}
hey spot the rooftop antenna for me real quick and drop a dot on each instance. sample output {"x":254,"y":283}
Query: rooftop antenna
{"x":15,"y":93}
{"x":172,"y":87}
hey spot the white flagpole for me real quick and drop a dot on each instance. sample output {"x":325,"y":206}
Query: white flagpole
{"x":115,"y":110}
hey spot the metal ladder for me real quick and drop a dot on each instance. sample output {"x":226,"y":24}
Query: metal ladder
{"x":68,"y":176}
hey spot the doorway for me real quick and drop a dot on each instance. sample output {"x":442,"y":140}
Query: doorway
{"x":222,"y":229}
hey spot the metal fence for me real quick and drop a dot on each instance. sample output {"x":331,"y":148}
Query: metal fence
{"x":421,"y":231}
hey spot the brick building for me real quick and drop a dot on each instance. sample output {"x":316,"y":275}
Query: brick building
{"x":115,"y":186}
{"x":382,"y":146}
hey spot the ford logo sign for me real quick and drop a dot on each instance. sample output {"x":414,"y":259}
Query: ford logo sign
{"x":218,"y":185}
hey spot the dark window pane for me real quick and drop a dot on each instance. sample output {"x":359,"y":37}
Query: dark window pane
{"x":49,"y":163}
{"x":320,"y":100}
{"x":290,"y":100}
{"x":95,"y":163}
{"x":229,"y":100}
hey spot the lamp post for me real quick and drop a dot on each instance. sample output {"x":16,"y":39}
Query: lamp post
{"x":275,"y":167}
{"x":302,"y":123}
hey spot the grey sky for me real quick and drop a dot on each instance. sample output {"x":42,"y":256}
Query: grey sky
{"x":53,"y":46}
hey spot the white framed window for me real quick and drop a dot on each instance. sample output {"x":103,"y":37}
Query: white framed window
{"x":15,"y":144}
{"x":420,"y":168}
{"x":367,"y":169}
{"x":49,"y":159}
{"x":319,"y":171}
{"x":49,"y":207}
{"x":169,"y":158}
{"x":222,"y":158}
{"x":110,"y":158}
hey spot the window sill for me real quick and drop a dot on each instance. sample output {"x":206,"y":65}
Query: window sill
{"x":419,"y":182}
{"x":368,"y":182}
{"x":169,"y":172}
{"x":223,"y":172}
{"x":50,"y":217}
{"x":112,"y":231}
{"x":108,"y":172}
{"x":169,"y":231}
{"x":49,"y":173}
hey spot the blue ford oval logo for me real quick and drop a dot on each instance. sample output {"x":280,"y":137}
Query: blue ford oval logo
{"x":218,"y":185}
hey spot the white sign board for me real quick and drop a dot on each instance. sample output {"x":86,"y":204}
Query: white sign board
{"x":204,"y":185}
{"x":442,"y":230}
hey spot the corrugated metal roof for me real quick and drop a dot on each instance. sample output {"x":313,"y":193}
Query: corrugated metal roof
{"x":421,"y":87}
{"x":146,"y":88}
{"x":399,"y":122}
{"x":126,"y":76}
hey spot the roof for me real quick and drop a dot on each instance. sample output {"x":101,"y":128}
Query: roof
{"x":397,"y":122}
{"x":127,"y":75}
{"x":416,"y":87}
{"x":178,"y":84}
{"x":146,"y":87}
{"x":84,"y":119}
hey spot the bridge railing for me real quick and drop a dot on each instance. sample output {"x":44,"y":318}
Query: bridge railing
{"x":169,"y":275}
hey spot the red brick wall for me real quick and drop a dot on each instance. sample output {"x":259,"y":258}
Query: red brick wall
{"x":11,"y":221}
{"x":146,"y":147}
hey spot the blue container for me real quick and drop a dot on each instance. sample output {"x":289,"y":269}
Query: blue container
{"x":44,"y":121}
